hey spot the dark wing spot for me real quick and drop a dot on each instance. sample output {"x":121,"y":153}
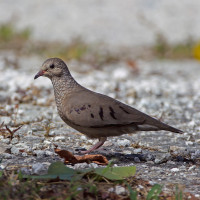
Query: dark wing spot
{"x":89,"y":105}
{"x":77,"y":110}
{"x":112,"y":112}
{"x":124,"y":110}
{"x":83,"y":107}
{"x":101,"y":113}
{"x":92,"y":115}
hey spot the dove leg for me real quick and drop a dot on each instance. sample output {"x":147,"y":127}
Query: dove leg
{"x":96,"y":146}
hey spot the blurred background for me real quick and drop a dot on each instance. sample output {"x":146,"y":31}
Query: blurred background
{"x":140,"y":28}
{"x":103,"y":41}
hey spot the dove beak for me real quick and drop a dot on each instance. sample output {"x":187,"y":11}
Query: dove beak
{"x":40,"y":73}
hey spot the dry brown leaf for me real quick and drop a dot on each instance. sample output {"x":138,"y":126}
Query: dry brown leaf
{"x":72,"y":159}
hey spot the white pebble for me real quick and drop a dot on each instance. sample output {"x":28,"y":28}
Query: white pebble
{"x":39,"y":153}
{"x":192,"y":167}
{"x":41,"y":101}
{"x":136,"y":151}
{"x":2,"y":167}
{"x":49,"y":153}
{"x":6,"y":141}
{"x":189,"y":143}
{"x":59,"y":138}
{"x":120,"y":73}
{"x":123,"y":142}
{"x":119,"y":190}
{"x":174,"y":170}
{"x":47,"y":142}
{"x":24,"y":154}
{"x":80,"y":165}
{"x":37,"y":168}
{"x":83,"y":137}
{"x":14,"y":150}
{"x":14,"y":141}
{"x":93,"y":165}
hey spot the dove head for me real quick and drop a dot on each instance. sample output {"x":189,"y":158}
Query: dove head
{"x":53,"y":67}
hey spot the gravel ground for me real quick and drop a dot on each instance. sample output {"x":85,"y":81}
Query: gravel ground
{"x":164,"y":89}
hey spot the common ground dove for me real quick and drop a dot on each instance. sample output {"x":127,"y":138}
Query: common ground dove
{"x":93,"y":114}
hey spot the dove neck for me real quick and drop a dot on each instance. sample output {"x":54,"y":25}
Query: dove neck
{"x":64,"y":85}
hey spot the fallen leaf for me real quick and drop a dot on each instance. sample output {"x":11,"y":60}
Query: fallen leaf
{"x":72,"y":159}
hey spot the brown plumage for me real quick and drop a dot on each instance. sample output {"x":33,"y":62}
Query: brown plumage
{"x":93,"y":114}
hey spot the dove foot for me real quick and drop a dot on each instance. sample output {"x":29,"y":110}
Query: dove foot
{"x":96,"y":146}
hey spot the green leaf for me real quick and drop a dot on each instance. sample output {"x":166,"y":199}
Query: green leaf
{"x":154,"y":192}
{"x":57,"y":170}
{"x":1,"y":173}
{"x":179,"y":194}
{"x":116,"y":173}
{"x":133,"y":194}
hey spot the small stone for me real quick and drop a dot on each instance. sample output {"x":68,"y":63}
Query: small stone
{"x":191,"y":124}
{"x":137,"y":160}
{"x":81,"y":166}
{"x":149,"y":157}
{"x":2,"y":167}
{"x":123,"y":142}
{"x":6,"y":120}
{"x":25,"y":170}
{"x":39,"y":153}
{"x":93,"y":165}
{"x":136,"y":151}
{"x":111,"y":189}
{"x":14,"y":150}
{"x":7,"y":155}
{"x":189,"y":143}
{"x":14,"y":141}
{"x":51,"y":133}
{"x":37,"y":168}
{"x":6,"y":141}
{"x":24,"y":154}
{"x":156,"y":161}
{"x":59,"y":138}
{"x":197,"y":153}
{"x":119,"y":190}
{"x":47,"y":142}
{"x":192,"y":167}
{"x":49,"y":153}
{"x":174,"y":170}
{"x":83,"y":137}
{"x":127,"y":152}
{"x":41,"y":101}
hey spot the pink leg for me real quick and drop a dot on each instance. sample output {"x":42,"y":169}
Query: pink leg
{"x":96,"y":146}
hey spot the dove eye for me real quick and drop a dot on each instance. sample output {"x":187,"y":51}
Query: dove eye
{"x":52,"y":66}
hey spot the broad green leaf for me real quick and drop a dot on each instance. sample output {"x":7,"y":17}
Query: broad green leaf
{"x":58,"y":170}
{"x":116,"y":173}
{"x":154,"y":192}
